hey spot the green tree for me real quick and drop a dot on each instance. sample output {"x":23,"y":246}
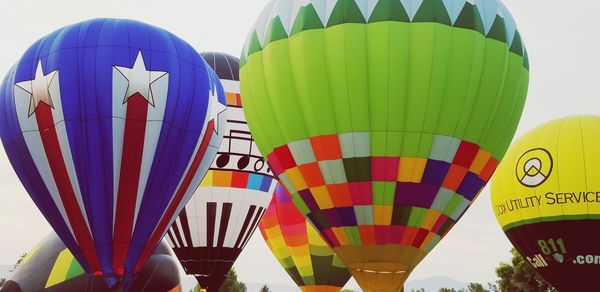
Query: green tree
{"x":196,"y":288}
{"x":476,"y":287}
{"x":520,"y":276}
{"x":265,"y":288}
{"x":232,"y":284}
{"x":450,"y":290}
{"x":493,"y":287}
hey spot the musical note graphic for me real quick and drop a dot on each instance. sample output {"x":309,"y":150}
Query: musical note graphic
{"x":240,"y":144}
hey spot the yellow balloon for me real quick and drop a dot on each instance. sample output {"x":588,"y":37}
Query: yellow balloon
{"x":546,"y":197}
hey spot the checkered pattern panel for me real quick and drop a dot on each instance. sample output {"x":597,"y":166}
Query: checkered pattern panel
{"x":354,"y":198}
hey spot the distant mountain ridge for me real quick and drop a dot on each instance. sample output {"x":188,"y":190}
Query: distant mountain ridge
{"x":433,"y":284}
{"x":274,"y":287}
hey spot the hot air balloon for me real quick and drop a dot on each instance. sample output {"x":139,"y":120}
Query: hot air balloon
{"x":384,"y":119}
{"x":50,"y":267}
{"x":299,"y":248}
{"x":218,"y":221}
{"x":110,"y":126}
{"x":546,"y":197}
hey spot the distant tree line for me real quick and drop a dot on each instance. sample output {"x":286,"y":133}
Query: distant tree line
{"x":520,"y":276}
{"x":472,"y":287}
{"x":231,"y":284}
{"x":516,"y":276}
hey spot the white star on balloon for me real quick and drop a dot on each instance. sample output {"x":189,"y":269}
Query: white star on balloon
{"x":38,"y":88}
{"x":140,"y":79}
{"x":215,"y":109}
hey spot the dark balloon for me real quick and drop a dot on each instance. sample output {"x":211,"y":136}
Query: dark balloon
{"x":226,"y":66}
{"x":50,"y":267}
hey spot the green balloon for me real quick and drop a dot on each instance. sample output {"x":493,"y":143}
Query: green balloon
{"x":383,"y":119}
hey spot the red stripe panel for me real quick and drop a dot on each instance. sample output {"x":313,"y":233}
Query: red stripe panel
{"x":162,"y":226}
{"x":382,"y":234}
{"x":129,"y":177}
{"x":489,"y":169}
{"x":367,"y":234}
{"x":420,"y":237}
{"x":58,"y":168}
{"x":329,"y":236}
{"x":439,"y":223}
{"x":362,"y":193}
{"x":239,"y":179}
{"x":409,"y":235}
{"x":284,"y":158}
{"x":385,"y":168}
{"x":326,"y":147}
{"x":395,"y":233}
{"x":465,"y":154}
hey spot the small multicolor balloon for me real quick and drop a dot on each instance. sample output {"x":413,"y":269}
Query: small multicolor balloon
{"x":299,"y":248}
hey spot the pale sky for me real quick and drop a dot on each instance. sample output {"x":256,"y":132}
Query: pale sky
{"x":561,"y":36}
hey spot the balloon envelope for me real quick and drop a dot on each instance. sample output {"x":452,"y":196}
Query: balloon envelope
{"x":110,"y":125}
{"x":546,"y":197}
{"x":220,"y":218}
{"x":50,"y":267}
{"x":299,"y":248}
{"x":384,"y":119}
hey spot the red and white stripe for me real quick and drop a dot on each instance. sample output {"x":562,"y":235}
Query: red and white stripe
{"x":196,"y":169}
{"x":45,"y":129}
{"x":136,"y":131}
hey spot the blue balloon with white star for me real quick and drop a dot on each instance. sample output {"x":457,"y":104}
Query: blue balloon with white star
{"x":110,"y":125}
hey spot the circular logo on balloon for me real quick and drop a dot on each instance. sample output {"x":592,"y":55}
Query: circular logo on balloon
{"x":534,"y":167}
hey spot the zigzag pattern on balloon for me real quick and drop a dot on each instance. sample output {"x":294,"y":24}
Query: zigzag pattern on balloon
{"x":283,"y":19}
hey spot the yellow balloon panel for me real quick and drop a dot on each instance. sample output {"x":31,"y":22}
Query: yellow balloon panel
{"x":550,"y":174}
